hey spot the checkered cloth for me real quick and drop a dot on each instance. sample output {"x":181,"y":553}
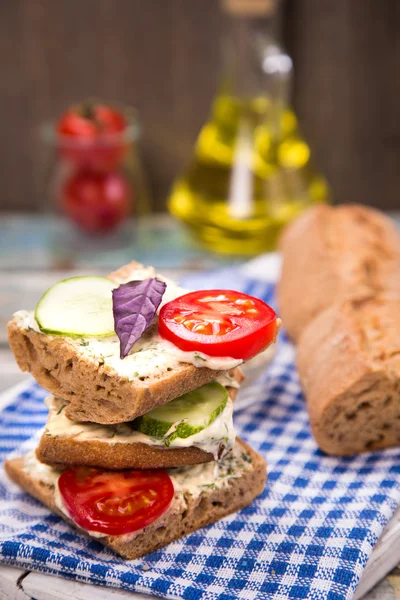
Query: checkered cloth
{"x":308,"y":535}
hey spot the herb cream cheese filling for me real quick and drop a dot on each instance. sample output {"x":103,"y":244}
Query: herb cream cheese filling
{"x":149,"y":355}
{"x":217,"y":439}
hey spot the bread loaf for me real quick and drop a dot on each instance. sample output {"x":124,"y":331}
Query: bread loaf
{"x":333,"y":253}
{"x":349,"y":366}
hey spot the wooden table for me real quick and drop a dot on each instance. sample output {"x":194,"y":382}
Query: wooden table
{"x":27,"y":268}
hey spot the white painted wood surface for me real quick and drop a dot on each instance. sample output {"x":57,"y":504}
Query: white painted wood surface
{"x":35,"y":583}
{"x":385,"y":557}
{"x":10,"y":584}
{"x":22,"y":585}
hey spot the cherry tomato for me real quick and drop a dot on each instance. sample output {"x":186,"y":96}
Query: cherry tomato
{"x":115,"y":502}
{"x":218,"y":323}
{"x":109,"y":119}
{"x":91,"y":134}
{"x":96,"y":201}
{"x":73,"y":124}
{"x":90,"y":120}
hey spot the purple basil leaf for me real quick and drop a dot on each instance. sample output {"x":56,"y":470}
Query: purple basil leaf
{"x":134,"y":305}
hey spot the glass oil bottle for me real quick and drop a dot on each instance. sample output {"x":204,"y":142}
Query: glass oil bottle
{"x":251,"y":172}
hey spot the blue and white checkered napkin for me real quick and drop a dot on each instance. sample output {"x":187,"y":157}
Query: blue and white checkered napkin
{"x":309,"y":534}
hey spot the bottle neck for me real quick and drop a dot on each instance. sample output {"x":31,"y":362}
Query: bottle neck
{"x":239,"y":57}
{"x":254,"y":63}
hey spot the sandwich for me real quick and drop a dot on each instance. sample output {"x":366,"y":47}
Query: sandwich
{"x":139,"y":448}
{"x":199,"y":496}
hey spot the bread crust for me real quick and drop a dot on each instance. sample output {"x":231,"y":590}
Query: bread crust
{"x":195,"y":513}
{"x":93,"y":453}
{"x":349,"y":365}
{"x":97,"y":393}
{"x":56,"y":450}
{"x":334,"y":253}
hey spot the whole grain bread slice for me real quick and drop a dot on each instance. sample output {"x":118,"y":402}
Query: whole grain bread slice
{"x":95,"y":391}
{"x":349,"y":365}
{"x":192,"y":514}
{"x":58,"y":450}
{"x":333,"y":253}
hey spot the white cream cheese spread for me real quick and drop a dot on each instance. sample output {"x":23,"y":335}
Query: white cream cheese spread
{"x":150,"y":354}
{"x":228,"y":381}
{"x":197,"y":479}
{"x":217,"y":438}
{"x":187,"y":481}
{"x":40,"y":471}
{"x":199,"y":359}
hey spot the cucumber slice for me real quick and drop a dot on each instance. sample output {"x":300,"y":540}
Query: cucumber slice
{"x":79,"y":306}
{"x":190,"y":413}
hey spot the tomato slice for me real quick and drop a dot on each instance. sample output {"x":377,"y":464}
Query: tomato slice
{"x":218,"y":323}
{"x":115,"y":502}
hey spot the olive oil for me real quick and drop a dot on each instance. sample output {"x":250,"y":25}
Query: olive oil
{"x":244,"y":184}
{"x":251,"y":172}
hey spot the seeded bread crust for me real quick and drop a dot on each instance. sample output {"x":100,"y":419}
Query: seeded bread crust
{"x":56,"y":451}
{"x":349,"y":366}
{"x":97,"y":393}
{"x":195,"y":513}
{"x":333,"y":253}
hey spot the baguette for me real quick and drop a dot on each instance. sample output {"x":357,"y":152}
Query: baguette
{"x":333,"y":253}
{"x":57,"y":450}
{"x":96,"y":392}
{"x":349,"y":365}
{"x":191,"y":513}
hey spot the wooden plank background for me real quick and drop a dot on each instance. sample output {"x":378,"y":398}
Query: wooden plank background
{"x":161,"y":55}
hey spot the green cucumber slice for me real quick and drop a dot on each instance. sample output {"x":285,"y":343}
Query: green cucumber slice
{"x":79,"y":306}
{"x":190,"y":413}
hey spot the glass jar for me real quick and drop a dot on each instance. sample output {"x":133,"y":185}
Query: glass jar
{"x":96,"y":189}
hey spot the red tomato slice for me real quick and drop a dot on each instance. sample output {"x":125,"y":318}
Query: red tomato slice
{"x":218,"y":323}
{"x":115,"y":502}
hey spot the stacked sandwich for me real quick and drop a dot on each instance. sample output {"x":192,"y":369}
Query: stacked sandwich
{"x":139,"y":447}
